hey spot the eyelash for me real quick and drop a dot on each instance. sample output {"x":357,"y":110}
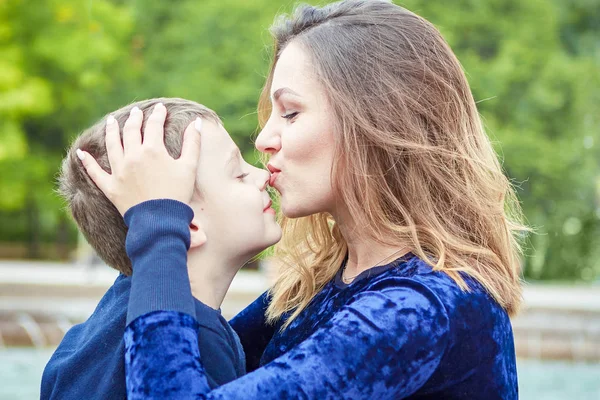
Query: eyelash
{"x":241,"y":177}
{"x":290,"y":115}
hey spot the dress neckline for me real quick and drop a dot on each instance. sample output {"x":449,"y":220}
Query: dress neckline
{"x":374,"y":271}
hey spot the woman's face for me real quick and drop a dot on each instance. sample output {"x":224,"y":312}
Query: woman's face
{"x":234,"y":207}
{"x":299,"y":137}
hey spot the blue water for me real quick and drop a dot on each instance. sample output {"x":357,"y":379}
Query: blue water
{"x":21,"y":370}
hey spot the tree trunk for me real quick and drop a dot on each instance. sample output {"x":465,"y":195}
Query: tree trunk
{"x":33,"y":226}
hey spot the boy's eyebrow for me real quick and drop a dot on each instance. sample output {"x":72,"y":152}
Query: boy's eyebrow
{"x":235,"y":154}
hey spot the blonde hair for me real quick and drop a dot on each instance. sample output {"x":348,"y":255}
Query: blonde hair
{"x":413,"y":164}
{"x":97,"y":218}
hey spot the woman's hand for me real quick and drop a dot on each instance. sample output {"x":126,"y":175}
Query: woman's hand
{"x":145,"y":171}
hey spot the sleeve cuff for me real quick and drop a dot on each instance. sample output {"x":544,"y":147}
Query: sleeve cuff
{"x":157,"y":243}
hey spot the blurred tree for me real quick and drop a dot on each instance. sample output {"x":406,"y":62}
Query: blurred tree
{"x":212,"y":52}
{"x":59,"y":62}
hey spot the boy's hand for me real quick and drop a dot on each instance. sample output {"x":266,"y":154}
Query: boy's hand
{"x":145,"y":171}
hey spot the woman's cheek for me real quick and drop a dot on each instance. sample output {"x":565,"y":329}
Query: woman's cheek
{"x":297,"y":142}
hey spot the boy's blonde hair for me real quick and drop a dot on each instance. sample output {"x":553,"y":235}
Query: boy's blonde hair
{"x":97,"y":218}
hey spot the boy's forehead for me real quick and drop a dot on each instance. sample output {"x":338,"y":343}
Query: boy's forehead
{"x":215,"y":140}
{"x":212,"y":131}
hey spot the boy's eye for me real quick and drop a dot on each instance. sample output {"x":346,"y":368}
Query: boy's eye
{"x":241,"y":177}
{"x":290,"y":115}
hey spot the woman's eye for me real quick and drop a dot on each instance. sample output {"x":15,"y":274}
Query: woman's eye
{"x":241,"y":177}
{"x":290,"y":115}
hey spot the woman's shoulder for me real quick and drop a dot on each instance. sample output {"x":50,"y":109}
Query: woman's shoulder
{"x":440,"y":305}
{"x":416,"y":277}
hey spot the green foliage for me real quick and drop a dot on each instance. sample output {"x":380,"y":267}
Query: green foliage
{"x":55,"y":55}
{"x":213,"y":53}
{"x":533,"y":66}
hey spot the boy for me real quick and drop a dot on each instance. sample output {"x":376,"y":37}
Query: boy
{"x":89,"y":361}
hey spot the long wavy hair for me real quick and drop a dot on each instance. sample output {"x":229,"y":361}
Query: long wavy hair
{"x":413,"y":164}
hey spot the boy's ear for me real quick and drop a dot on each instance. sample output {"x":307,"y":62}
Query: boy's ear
{"x":197,"y":234}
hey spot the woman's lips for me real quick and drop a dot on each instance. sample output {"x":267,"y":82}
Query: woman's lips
{"x":274,"y":176}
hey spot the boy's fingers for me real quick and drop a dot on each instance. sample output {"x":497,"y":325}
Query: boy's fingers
{"x":132,"y":131}
{"x":98,"y":175}
{"x":154,"y":130}
{"x":114,"y":148}
{"x":191,"y":142}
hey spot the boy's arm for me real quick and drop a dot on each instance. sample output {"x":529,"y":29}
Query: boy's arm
{"x":70,"y":374}
{"x":91,"y":354}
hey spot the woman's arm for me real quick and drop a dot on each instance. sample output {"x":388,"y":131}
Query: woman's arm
{"x":157,"y":243}
{"x":385,"y":344}
{"x":253,"y":330}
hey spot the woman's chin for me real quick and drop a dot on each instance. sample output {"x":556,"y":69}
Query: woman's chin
{"x":295,"y":212}
{"x":296,"y":206}
{"x":289,"y":210}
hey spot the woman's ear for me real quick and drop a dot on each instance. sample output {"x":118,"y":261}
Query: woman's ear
{"x":197,"y":234}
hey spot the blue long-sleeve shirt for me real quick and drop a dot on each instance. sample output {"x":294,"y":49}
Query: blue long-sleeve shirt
{"x":398,"y":331}
{"x":89,"y":363}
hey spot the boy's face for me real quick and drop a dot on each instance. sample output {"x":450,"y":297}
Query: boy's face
{"x":233,"y":208}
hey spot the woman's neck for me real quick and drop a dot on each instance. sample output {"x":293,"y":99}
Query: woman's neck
{"x":363,"y":251}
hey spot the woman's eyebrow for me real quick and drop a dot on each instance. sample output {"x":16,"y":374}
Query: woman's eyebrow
{"x":284,"y":90}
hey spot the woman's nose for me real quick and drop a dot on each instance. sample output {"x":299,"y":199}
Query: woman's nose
{"x":268,"y":141}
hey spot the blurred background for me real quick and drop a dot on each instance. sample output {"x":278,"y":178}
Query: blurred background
{"x":533,"y":66}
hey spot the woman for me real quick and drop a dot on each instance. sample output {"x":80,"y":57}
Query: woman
{"x":401,"y":260}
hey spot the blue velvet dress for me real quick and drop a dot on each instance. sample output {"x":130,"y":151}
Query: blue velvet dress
{"x":398,"y":331}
